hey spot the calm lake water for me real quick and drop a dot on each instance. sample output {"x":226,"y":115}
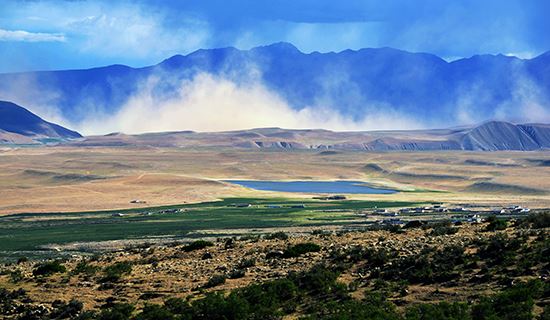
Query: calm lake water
{"x":334,"y":187}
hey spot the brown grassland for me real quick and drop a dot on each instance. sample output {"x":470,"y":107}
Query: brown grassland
{"x":63,"y":179}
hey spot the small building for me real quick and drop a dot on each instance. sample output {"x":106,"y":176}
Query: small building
{"x":297,"y":206}
{"x":240,"y":205}
{"x":393,"y":221}
{"x":390,"y":214}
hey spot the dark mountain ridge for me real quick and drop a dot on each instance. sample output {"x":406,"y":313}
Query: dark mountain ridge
{"x":17,"y":121}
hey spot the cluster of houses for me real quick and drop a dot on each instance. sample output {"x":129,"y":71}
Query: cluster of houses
{"x":515,"y":209}
{"x":512,"y":210}
{"x":138,"y":201}
{"x":150,"y":213}
{"x":465,"y":214}
{"x":269,"y":206}
{"x":336,"y":197}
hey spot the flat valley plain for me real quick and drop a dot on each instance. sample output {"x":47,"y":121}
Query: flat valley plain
{"x":83,"y":198}
{"x":70,"y":179}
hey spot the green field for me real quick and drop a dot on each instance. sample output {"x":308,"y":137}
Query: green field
{"x":27,"y":232}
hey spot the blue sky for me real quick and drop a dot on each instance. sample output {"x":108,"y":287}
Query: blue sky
{"x":45,"y":35}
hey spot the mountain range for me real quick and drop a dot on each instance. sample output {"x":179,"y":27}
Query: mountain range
{"x":490,"y":136}
{"x":354,"y":83}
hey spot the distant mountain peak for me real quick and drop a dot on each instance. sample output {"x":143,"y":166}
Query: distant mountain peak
{"x":279,"y":47}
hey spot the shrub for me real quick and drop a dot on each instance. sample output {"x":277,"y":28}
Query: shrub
{"x":413,"y":224}
{"x":229,"y":243}
{"x":66,"y":310}
{"x":496,"y":224}
{"x":49,"y":268}
{"x":217,"y":306}
{"x":154,"y":312}
{"x":177,"y":305}
{"x":440,"y":311}
{"x":301,"y":248}
{"x":114,"y":272}
{"x":443,"y":230}
{"x":429,"y":266}
{"x":117,"y":311}
{"x":515,"y":303}
{"x":319,"y":280}
{"x":16,"y":276}
{"x":246,"y":263}
{"x":277,"y":235}
{"x":373,"y":307}
{"x":499,"y":249}
{"x":236,"y":274}
{"x":539,"y":220}
{"x":22,"y":260}
{"x":84,"y":267}
{"x":197,"y":245}
{"x":215,"y":280}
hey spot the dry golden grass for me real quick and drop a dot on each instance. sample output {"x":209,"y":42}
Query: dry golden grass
{"x":80,"y":179}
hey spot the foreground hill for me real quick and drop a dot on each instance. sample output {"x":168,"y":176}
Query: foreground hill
{"x":421,"y":270}
{"x":490,"y":136}
{"x":418,"y":85}
{"x":18,"y":125}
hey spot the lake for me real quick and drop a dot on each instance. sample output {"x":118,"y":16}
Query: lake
{"x":333,"y":187}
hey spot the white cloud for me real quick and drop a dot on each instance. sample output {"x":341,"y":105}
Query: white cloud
{"x":124,"y":30}
{"x":129,"y":30}
{"x":25,"y":36}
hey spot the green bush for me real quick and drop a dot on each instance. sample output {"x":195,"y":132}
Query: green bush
{"x":246,"y":263}
{"x":301,"y":248}
{"x":413,"y":224}
{"x":197,"y":245}
{"x":539,"y":220}
{"x":496,"y":224}
{"x":429,"y":266}
{"x":499,"y":249}
{"x":48,"y":268}
{"x":22,"y":260}
{"x":84,"y":267}
{"x":154,"y":312}
{"x":16,"y":276}
{"x":515,"y":303}
{"x":66,"y":310}
{"x":236,"y":274}
{"x":114,"y":272}
{"x":440,"y":311}
{"x":117,"y":311}
{"x":443,"y":230}
{"x":177,"y":306}
{"x":215,"y":280}
{"x":277,"y":235}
